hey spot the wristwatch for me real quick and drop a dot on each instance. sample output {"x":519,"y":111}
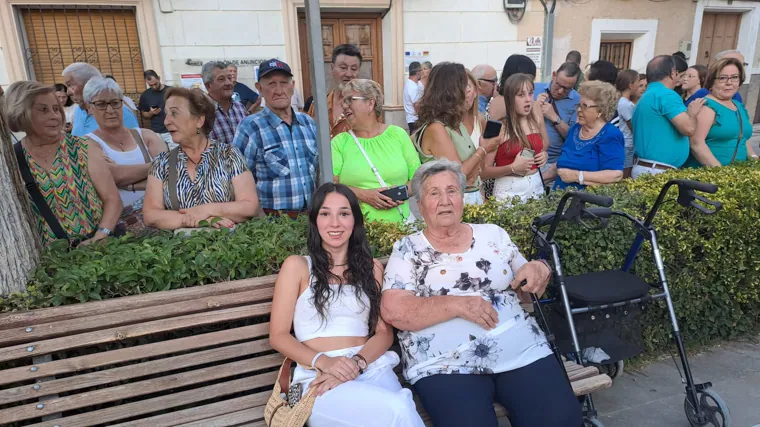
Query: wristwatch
{"x":558,"y":121}
{"x":105,"y":231}
{"x":361,"y":362}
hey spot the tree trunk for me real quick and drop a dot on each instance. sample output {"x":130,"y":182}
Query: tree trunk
{"x":19,"y":241}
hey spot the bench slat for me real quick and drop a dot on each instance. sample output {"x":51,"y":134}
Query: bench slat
{"x":582,"y":373}
{"x":200,"y":412}
{"x":132,"y":331}
{"x":89,"y":398}
{"x":128,"y":354}
{"x":232,"y":419}
{"x":164,"y":402}
{"x":592,"y":384}
{"x":137,"y":370}
{"x":141,"y":315}
{"x":52,"y":314}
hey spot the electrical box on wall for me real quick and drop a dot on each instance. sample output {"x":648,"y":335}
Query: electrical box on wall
{"x":685,"y":47}
{"x":514,"y":4}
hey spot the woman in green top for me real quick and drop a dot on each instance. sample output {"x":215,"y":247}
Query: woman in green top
{"x":388,"y":147}
{"x":724,"y":127}
{"x":441,"y":112}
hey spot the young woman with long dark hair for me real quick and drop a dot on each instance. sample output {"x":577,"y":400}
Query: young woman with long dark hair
{"x":516,"y":162}
{"x":331,"y":298}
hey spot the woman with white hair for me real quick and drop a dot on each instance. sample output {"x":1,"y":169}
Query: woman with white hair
{"x":73,"y":193}
{"x":130,"y":151}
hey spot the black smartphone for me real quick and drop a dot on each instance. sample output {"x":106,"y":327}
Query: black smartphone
{"x":153,"y":107}
{"x":397,"y":194}
{"x":492,"y":129}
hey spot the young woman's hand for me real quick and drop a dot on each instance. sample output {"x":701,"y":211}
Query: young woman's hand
{"x":323,"y":384}
{"x":340,"y":367}
{"x":522,"y":165}
{"x":540,"y":158}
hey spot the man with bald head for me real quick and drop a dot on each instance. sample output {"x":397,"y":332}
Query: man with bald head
{"x":662,"y":125}
{"x":703,"y":92}
{"x":486,"y":76}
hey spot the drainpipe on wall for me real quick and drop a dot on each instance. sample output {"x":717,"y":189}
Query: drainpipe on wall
{"x":319,"y":89}
{"x":546,"y":54}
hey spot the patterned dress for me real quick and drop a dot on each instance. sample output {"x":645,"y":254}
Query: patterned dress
{"x":68,"y":190}
{"x":213,"y":181}
{"x":459,"y":346}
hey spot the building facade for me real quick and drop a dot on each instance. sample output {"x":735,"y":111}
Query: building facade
{"x":630,"y":32}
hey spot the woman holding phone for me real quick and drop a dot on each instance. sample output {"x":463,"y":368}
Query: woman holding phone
{"x":375,"y":160}
{"x":515,"y":164}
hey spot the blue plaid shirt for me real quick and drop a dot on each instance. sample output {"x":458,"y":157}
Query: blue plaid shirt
{"x":226,"y":124}
{"x":283,"y":158}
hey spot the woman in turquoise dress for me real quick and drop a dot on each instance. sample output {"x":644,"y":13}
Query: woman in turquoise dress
{"x":373,"y":156}
{"x":724,"y":127}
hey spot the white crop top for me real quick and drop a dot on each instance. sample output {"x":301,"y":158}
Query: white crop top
{"x":345,"y":316}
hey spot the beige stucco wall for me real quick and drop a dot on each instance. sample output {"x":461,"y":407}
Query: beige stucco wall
{"x":572,"y":27}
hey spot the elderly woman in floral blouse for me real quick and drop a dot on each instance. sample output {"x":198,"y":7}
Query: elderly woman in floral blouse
{"x":453,"y":291}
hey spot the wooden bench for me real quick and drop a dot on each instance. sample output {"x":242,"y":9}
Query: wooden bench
{"x":191,"y":357}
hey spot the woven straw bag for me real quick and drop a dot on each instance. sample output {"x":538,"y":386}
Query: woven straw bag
{"x":277,"y":412}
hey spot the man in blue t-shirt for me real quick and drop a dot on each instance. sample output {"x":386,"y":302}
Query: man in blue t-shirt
{"x":662,"y":125}
{"x":241,"y":92}
{"x":75,"y":77}
{"x":558,"y":101}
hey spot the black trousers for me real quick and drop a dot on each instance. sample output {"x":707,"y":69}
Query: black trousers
{"x":412,"y":128}
{"x":537,"y":395}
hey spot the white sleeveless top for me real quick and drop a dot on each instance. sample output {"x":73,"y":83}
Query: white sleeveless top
{"x":134,"y":157}
{"x":345,"y":316}
{"x":476,"y":133}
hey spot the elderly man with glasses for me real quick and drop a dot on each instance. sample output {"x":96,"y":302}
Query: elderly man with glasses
{"x":558,"y":100}
{"x":487,"y":80}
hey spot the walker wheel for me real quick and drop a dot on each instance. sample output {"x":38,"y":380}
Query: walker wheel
{"x":713,"y":407}
{"x":592,"y":422}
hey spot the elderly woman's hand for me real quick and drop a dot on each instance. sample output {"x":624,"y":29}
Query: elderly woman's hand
{"x":568,"y":175}
{"x":536,"y":274}
{"x":477,"y":310}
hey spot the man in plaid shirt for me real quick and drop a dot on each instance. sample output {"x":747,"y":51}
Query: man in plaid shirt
{"x":279,"y":144}
{"x":229,"y":113}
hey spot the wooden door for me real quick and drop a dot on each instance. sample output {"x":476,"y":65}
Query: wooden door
{"x":617,"y":52}
{"x":720,"y":31}
{"x":363,"y":31}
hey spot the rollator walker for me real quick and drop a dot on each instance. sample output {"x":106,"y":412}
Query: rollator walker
{"x":618,"y":292}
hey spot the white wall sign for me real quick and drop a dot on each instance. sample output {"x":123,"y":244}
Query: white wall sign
{"x":533,"y":49}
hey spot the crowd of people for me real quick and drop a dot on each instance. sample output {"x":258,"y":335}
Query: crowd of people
{"x":220,"y":157}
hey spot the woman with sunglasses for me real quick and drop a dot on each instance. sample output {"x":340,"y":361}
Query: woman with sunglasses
{"x":373,"y":157}
{"x":129,"y":151}
{"x":724,"y":127}
{"x":594,"y":150}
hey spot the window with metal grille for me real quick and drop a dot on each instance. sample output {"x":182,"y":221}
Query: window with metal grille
{"x":104,"y":36}
{"x":617,"y":52}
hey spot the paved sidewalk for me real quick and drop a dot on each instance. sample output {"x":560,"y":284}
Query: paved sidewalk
{"x":654,"y":397}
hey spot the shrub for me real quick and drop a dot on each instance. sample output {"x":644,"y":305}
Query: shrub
{"x":711,"y":261}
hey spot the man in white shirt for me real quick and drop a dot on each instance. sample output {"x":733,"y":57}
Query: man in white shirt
{"x":412,"y":94}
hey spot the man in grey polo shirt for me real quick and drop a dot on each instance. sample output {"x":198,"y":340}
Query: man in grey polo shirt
{"x":558,"y":101}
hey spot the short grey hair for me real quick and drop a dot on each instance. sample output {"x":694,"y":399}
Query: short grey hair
{"x":81,"y":71}
{"x":98,"y":85}
{"x":480,"y":70}
{"x":231,"y":65}
{"x":208,"y":70}
{"x":433,"y":168}
{"x":427,"y":65}
{"x":723,"y":54}
{"x":369,"y":88}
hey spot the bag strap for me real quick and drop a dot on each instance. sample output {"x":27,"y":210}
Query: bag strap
{"x":34,"y":192}
{"x":173,"y":176}
{"x":140,"y":143}
{"x":741,"y":133}
{"x":380,"y":179}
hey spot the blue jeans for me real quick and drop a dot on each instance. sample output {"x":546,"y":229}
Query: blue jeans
{"x":534,"y":395}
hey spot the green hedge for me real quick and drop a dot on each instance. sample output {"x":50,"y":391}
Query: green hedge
{"x":712,"y":261}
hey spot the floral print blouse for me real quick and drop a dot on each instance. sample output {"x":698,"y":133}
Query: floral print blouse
{"x":459,"y":346}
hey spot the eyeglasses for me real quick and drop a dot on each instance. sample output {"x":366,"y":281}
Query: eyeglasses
{"x":564,"y":88}
{"x":102,"y":105}
{"x":732,"y":79}
{"x":349,"y":99}
{"x":584,"y":107}
{"x":492,"y":81}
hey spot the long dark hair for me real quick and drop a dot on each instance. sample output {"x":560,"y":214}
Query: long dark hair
{"x":60,"y":87}
{"x":361,"y":266}
{"x":444,"y":96}
{"x":516,"y":64}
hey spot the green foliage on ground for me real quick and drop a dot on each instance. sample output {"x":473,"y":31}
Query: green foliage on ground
{"x":711,"y":262}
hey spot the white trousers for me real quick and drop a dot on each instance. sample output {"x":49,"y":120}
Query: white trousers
{"x":524,"y":187}
{"x":639,"y":170}
{"x":374,"y":399}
